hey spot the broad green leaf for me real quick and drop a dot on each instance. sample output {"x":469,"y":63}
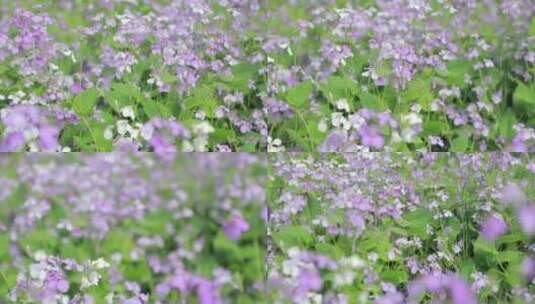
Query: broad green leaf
{"x":395,"y":276}
{"x":460,"y":143}
{"x":484,"y":252}
{"x":434,"y":127}
{"x":338,"y":87}
{"x":84,"y":103}
{"x":372,"y":102}
{"x":292,"y":235}
{"x":4,"y":246}
{"x":202,"y":97}
{"x":525,"y":94}
{"x":150,"y":107}
{"x":416,"y":222}
{"x":506,"y":123}
{"x":225,"y":245}
{"x":122,"y":95}
{"x":419,"y":90}
{"x":39,"y":239}
{"x":455,"y":72}
{"x":331,"y":250}
{"x":118,"y":241}
{"x":298,"y":96}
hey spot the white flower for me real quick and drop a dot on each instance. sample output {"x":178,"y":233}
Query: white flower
{"x":203,"y":128}
{"x":275,"y":145}
{"x":353,"y":261}
{"x":108,"y":132}
{"x":322,"y":126}
{"x":38,"y":272}
{"x":122,"y":127}
{"x":116,"y":257}
{"x":199,"y":143}
{"x":91,"y":280}
{"x":344,"y":278}
{"x":187,"y":146}
{"x":100,"y":264}
{"x":337,"y":119}
{"x":146,"y":131}
{"x":342,"y":105}
{"x":40,"y":256}
{"x":128,"y":112}
{"x":200,"y":115}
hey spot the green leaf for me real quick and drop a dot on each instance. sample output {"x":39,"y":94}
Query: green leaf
{"x":225,"y":245}
{"x":118,"y":241}
{"x":455,"y":72}
{"x":298,"y":96}
{"x":122,"y":95}
{"x":39,"y":239}
{"x":467,"y":268}
{"x":372,"y":102}
{"x":484,"y":251}
{"x":524,"y":94}
{"x":337,"y":87}
{"x":506,"y":123}
{"x":434,"y":127}
{"x":241,"y":74}
{"x":101,"y":143}
{"x":292,"y":235}
{"x":202,"y":97}
{"x":138,"y":271}
{"x":4,"y":246}
{"x":460,"y":143}
{"x":416,"y":222}
{"x":375,"y":240}
{"x":395,"y":276}
{"x":150,"y":107}
{"x":223,"y":135}
{"x":84,"y":103}
{"x":330,"y":250}
{"x":419,"y":90}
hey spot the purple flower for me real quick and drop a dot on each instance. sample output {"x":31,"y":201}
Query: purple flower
{"x":12,"y":142}
{"x":512,"y":193}
{"x":334,"y":142}
{"x":436,"y":282}
{"x":460,"y":291}
{"x":528,"y":268}
{"x":526,"y":218}
{"x":48,"y":137}
{"x":309,"y":280}
{"x":371,"y":137}
{"x":235,"y":226}
{"x":493,"y":227}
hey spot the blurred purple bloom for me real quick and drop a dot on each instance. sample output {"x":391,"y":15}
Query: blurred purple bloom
{"x":235,"y":226}
{"x":371,"y":137}
{"x":48,"y":137}
{"x":12,"y":142}
{"x":528,"y":268}
{"x":309,"y":280}
{"x":512,"y":193}
{"x":526,"y":218}
{"x":493,"y":227}
{"x":334,"y":142}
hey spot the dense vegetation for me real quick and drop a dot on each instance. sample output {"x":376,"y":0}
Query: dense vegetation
{"x":253,"y":75}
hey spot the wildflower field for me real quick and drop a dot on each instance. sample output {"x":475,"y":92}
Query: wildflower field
{"x":113,"y":228}
{"x":267,"y":151}
{"x":257,"y":75}
{"x":401,"y":228}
